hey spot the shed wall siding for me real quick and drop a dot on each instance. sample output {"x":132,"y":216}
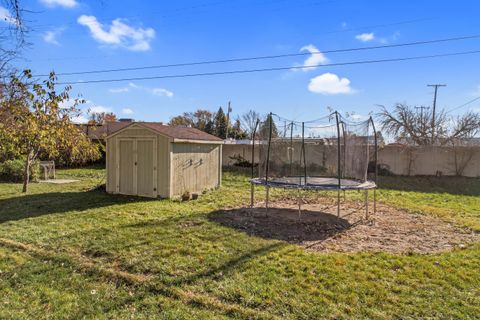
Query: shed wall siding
{"x":110,"y":166}
{"x":195,"y":167}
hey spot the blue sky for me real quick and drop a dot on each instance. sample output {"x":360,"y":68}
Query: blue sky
{"x":74,"y":35}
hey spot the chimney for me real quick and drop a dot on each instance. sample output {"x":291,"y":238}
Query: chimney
{"x":126,"y":120}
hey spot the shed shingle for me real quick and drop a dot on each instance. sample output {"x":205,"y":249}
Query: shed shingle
{"x":184,"y":133}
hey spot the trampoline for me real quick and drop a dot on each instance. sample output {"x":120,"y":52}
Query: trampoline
{"x":314,"y":183}
{"x":330,"y":153}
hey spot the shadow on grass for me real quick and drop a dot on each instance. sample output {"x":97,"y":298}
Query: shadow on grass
{"x":35,"y":205}
{"x":282,"y":223}
{"x":228,"y":267}
{"x":425,"y":184}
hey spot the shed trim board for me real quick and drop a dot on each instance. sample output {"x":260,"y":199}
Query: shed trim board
{"x":177,"y":140}
{"x":130,"y":126}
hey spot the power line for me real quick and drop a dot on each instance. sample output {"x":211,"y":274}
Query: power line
{"x":316,"y":34}
{"x":179,"y":12}
{"x":265,"y":57}
{"x":272,"y":69}
{"x":463,"y":105}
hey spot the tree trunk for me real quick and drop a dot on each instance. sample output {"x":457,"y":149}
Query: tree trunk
{"x":26,"y":173}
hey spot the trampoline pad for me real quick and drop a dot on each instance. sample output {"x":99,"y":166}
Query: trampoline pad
{"x":315,"y":183}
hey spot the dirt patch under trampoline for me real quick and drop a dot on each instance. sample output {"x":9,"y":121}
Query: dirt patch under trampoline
{"x":318,"y":228}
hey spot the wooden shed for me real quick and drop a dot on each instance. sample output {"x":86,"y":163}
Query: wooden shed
{"x":154,"y":160}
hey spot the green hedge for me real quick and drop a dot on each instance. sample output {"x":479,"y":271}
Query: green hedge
{"x":12,"y":170}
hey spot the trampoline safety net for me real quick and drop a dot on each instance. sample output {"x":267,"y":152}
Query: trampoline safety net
{"x":327,"y":153}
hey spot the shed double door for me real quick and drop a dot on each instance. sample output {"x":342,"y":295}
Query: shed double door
{"x":137,"y":172}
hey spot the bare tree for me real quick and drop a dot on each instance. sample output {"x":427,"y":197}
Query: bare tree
{"x":249,"y":120}
{"x":12,"y":34}
{"x":408,"y":124}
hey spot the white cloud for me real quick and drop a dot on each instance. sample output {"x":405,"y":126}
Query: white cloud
{"x":357,"y":117}
{"x":51,"y":36}
{"x":119,"y":90}
{"x":344,"y":25}
{"x":365,"y":37}
{"x":118,"y":34}
{"x":99,"y":109}
{"x":329,"y":84}
{"x":395,"y":36}
{"x":316,"y":58}
{"x":162,"y":92}
{"x":79,"y":119}
{"x":60,"y":3}
{"x":127,"y":111}
{"x":6,"y":17}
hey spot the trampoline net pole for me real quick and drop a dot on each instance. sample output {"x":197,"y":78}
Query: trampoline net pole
{"x":339,"y":165}
{"x":375,"y":153}
{"x":270,"y":129}
{"x":270,"y":126}
{"x":291,"y":149}
{"x":252,"y":187}
{"x":303,"y":152}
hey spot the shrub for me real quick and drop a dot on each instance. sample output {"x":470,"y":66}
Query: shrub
{"x":12,"y":170}
{"x":240,"y":161}
{"x":383,"y":169}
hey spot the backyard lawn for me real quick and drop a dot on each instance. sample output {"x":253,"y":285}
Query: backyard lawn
{"x":67,"y":252}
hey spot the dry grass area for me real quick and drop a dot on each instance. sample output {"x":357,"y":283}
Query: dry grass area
{"x":318,"y":228}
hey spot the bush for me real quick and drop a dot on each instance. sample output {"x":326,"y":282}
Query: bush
{"x":382,"y":169}
{"x":240,"y":161}
{"x":12,"y":170}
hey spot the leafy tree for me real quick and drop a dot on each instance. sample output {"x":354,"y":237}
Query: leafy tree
{"x":221,"y":124}
{"x":264,"y":129}
{"x":237,"y":132}
{"x":210,"y":127}
{"x":181,"y":120}
{"x":102,"y":117}
{"x":198,"y":119}
{"x":414,"y":126}
{"x":201,"y":118}
{"x":210,"y":122}
{"x":35,"y":122}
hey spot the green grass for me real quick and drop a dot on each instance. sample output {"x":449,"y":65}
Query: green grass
{"x":70,"y":253}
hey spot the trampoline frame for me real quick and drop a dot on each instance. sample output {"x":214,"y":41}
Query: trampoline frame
{"x":272,"y":184}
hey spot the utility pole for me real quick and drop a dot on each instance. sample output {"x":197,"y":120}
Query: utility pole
{"x":436,"y":86}
{"x":229,"y":109}
{"x":421,"y":115}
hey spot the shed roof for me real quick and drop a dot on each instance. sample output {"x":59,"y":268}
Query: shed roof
{"x":101,"y":131}
{"x":176,"y":133}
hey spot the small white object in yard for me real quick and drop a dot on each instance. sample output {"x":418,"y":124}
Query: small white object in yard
{"x":58,"y":181}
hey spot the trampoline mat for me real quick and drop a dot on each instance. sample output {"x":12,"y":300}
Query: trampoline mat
{"x":315,"y":183}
